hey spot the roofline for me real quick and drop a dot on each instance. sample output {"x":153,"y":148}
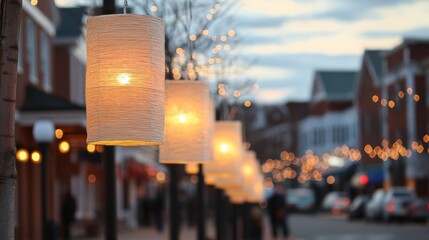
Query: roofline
{"x":405,"y":42}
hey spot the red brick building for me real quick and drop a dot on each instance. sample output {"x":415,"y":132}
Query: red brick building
{"x":368,"y":99}
{"x":406,"y":83}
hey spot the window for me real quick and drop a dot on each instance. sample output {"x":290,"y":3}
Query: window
{"x":31,"y":50}
{"x":45,"y":59}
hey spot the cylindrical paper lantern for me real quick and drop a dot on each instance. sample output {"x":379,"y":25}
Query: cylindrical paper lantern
{"x":187,"y":131}
{"x":230,"y":182}
{"x":125,"y":80}
{"x":227,"y":149}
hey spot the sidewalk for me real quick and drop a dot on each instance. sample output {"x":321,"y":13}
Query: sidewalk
{"x":150,"y":233}
{"x":186,"y":233}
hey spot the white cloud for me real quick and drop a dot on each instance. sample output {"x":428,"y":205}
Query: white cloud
{"x":271,"y":96}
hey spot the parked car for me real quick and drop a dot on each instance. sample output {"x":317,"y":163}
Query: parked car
{"x":357,"y":208}
{"x":374,"y":207}
{"x":301,"y":200}
{"x":336,"y":202}
{"x":396,"y":203}
{"x":418,"y":210}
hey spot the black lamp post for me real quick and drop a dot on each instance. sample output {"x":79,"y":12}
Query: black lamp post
{"x":43,"y":133}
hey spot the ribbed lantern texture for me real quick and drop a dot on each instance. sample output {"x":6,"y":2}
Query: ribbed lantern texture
{"x":227,"y":150}
{"x":125,"y":80}
{"x":187,"y":133}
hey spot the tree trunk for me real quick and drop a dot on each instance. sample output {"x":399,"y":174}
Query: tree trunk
{"x":9,"y":25}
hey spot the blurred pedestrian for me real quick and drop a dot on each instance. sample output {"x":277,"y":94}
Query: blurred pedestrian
{"x":277,"y":210}
{"x":68,"y":210}
{"x":158,"y":209}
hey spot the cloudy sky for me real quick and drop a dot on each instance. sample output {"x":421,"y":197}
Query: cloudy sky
{"x":289,"y":39}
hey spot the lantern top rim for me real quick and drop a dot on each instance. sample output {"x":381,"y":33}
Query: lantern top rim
{"x":126,"y":15}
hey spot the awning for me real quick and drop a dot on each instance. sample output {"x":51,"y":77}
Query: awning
{"x":375,"y":174}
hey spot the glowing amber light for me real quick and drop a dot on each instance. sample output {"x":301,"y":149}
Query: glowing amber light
{"x":330,"y":180}
{"x":231,"y":33}
{"x":209,"y":16}
{"x":420,"y":149}
{"x":193,"y":37}
{"x":221,"y":92}
{"x":22,"y":155}
{"x":368,"y":149}
{"x":92,"y":178}
{"x":182,"y":118}
{"x":375,"y":98}
{"x":391,"y":104}
{"x":154,"y":8}
{"x":192,"y":168}
{"x":64,"y":147}
{"x":416,"y":97}
{"x":409,"y":91}
{"x":223,"y":38}
{"x":180,"y":51}
{"x":34,"y":2}
{"x":426,"y":138}
{"x":247,"y":103}
{"x":401,"y":94}
{"x":236,"y":93}
{"x":90,"y":148}
{"x":36,"y":157}
{"x":160,"y":177}
{"x":124,"y":78}
{"x":224,"y":147}
{"x":205,"y":32}
{"x":209,"y":179}
{"x":383,"y":102}
{"x":59,"y":133}
{"x":247,"y":170}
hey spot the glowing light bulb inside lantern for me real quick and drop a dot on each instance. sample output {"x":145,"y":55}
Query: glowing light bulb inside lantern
{"x":182,"y":118}
{"x":224,"y":148}
{"x":124,"y":78}
{"x":247,"y":170}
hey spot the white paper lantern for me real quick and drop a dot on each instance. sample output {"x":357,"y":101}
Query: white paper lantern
{"x":125,"y":80}
{"x":187,"y":126}
{"x":227,"y":150}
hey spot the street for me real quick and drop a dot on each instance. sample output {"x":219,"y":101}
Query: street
{"x":327,"y":227}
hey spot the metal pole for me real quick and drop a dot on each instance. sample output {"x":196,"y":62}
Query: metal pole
{"x":110,"y":193}
{"x":200,"y":205}
{"x":221,"y":215}
{"x":109,"y":166}
{"x":234,"y":221}
{"x":246,"y":221}
{"x":44,"y":152}
{"x":174,"y":203}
